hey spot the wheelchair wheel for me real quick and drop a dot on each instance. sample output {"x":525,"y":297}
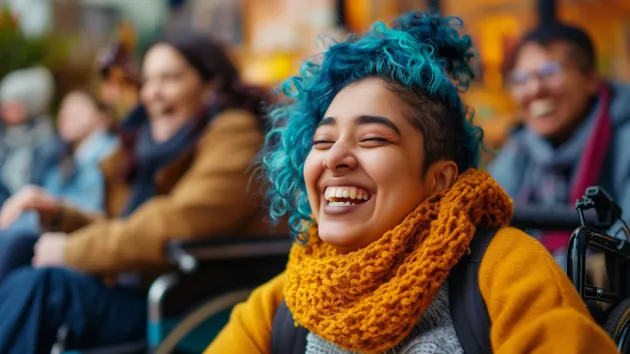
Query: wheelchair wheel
{"x":618,"y":323}
{"x":623,"y":343}
{"x":200,"y":315}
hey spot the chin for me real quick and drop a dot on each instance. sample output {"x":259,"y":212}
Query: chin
{"x":543,"y":128}
{"x":342,"y":240}
{"x":548,"y":132}
{"x":346,"y":239}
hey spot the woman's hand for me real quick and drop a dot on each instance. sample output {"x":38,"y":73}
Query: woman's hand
{"x":50,"y":249}
{"x":29,"y":198}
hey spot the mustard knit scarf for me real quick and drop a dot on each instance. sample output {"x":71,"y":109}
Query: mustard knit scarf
{"x":369,"y":300}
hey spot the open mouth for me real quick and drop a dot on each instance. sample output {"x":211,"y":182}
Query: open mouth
{"x":346,"y":196}
{"x":163,"y":111}
{"x":542,"y":107}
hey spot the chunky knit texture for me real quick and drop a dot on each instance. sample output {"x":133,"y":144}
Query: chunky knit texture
{"x":434,"y":334}
{"x":370,"y":300}
{"x":533,"y":306}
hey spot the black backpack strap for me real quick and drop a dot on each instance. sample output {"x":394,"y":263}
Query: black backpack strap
{"x":285,"y":337}
{"x":468,"y":309}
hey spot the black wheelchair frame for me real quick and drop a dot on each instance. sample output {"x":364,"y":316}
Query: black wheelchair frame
{"x":199,"y":287}
{"x":593,"y":213}
{"x":616,"y":319}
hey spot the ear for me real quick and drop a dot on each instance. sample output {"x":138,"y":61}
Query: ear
{"x":594,"y":82}
{"x":441,"y":175}
{"x":208,"y":94}
{"x":209,"y":91}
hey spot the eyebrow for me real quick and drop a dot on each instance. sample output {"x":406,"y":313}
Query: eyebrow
{"x":363,"y":120}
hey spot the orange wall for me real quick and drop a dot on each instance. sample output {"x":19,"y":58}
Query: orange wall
{"x":280,"y":34}
{"x":609,"y":25}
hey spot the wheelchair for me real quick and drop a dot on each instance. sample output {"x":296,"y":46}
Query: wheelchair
{"x":188,"y":307}
{"x":592,"y":235}
{"x":594,"y":214}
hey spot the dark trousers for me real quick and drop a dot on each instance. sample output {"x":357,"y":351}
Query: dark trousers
{"x":4,"y":192}
{"x":17,"y":242}
{"x":35,"y":303}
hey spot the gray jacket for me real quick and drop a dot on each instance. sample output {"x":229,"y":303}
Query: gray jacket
{"x":525,"y":151}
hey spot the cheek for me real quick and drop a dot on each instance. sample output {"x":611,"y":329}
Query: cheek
{"x":173,"y":93}
{"x":398,"y":177}
{"x":68,"y":130}
{"x":576,"y":91}
{"x":191,"y":91}
{"x":79,"y":123}
{"x":520,"y":98}
{"x":14,"y":112}
{"x":148,"y":92}
{"x":313,"y":169}
{"x":572,"y":99}
{"x":386,"y":164}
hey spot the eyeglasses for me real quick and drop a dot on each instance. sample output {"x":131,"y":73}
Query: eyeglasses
{"x":549,"y":74}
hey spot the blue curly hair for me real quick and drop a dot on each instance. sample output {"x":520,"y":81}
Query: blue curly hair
{"x":421,"y":56}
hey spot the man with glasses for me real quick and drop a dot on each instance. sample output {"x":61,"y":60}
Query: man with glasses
{"x":575,"y":132}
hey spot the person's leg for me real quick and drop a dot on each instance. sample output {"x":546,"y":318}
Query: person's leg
{"x":35,"y":303}
{"x":16,"y":247}
{"x":16,"y":252}
{"x":4,"y":192}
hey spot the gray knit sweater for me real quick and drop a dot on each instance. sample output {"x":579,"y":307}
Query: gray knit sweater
{"x":434,"y":334}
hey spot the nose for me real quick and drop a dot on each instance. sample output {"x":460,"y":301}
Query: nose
{"x":533,"y":86}
{"x":150,"y":91}
{"x":339,"y":158}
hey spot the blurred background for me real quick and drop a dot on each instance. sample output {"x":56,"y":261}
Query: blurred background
{"x":91,"y":51}
{"x":271,"y":37}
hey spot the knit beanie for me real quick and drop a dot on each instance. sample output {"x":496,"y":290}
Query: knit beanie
{"x":33,"y":87}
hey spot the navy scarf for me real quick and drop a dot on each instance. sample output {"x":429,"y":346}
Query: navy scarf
{"x":151,"y":156}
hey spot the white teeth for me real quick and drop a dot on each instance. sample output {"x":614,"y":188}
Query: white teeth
{"x":542,"y":107}
{"x":346,"y":192}
{"x":340,"y":204}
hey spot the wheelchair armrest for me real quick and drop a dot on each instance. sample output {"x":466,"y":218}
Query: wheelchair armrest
{"x":210,"y":270}
{"x":557,"y":218}
{"x":187,"y":255}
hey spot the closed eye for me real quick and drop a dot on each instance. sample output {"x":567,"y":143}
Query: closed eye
{"x":322,"y":144}
{"x":382,"y":140}
{"x":374,"y":142}
{"x":317,"y":142}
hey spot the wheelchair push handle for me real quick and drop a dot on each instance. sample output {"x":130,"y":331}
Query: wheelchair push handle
{"x":607,"y":211}
{"x":548,"y":218}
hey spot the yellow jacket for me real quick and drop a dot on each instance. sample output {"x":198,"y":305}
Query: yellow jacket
{"x":533,"y":307}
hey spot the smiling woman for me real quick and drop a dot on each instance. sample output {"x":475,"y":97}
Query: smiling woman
{"x":373,"y":147}
{"x":373,"y":159}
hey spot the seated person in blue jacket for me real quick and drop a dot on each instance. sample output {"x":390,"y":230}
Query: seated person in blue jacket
{"x":68,"y":170}
{"x":576,"y":128}
{"x":183,"y":171}
{"x":25,"y":98}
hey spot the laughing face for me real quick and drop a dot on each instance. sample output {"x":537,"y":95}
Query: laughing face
{"x":172,"y":91}
{"x":79,"y":116}
{"x":553,"y":92}
{"x":364,"y":173}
